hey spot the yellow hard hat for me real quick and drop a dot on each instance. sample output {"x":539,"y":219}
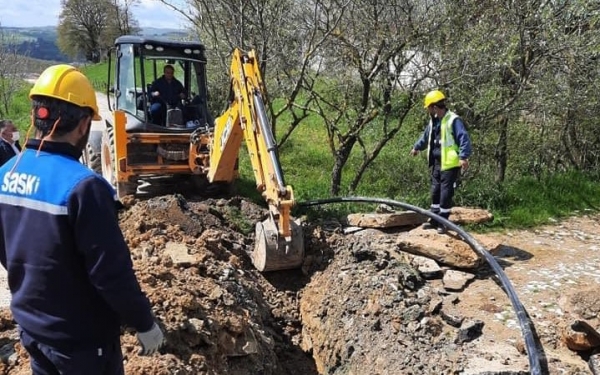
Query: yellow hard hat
{"x":67,"y":83}
{"x":433,"y":97}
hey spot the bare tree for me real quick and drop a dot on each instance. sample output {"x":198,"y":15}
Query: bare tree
{"x":13,"y":68}
{"x":286,"y":35}
{"x":375,"y":68}
{"x":124,"y":21}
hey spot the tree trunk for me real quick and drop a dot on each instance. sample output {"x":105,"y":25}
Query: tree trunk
{"x":341,"y":157}
{"x":501,"y":154}
{"x":570,"y":140}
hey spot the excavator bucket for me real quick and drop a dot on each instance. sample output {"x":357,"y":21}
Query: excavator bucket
{"x":273,"y":252}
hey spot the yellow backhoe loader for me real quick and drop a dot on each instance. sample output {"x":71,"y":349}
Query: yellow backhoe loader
{"x":185,"y":142}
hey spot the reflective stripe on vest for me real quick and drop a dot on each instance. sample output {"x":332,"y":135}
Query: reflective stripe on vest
{"x":448,"y":148}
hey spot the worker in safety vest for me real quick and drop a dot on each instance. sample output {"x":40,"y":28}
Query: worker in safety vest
{"x":448,"y":149}
{"x":69,"y":268}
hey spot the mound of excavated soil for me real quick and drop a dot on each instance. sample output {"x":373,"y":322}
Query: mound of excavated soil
{"x":220,"y":316}
{"x":359,"y":305}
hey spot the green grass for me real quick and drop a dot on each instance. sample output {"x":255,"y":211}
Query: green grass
{"x":517,"y":203}
{"x":537,"y":201}
{"x":19,"y":111}
{"x":98,"y":75}
{"x":528,"y":202}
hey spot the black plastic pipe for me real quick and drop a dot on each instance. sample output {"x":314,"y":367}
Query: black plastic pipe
{"x":533,"y":352}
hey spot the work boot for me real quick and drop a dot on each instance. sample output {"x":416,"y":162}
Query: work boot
{"x":429,"y":224}
{"x":441,"y":229}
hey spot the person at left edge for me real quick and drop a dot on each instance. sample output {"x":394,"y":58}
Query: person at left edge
{"x":9,"y":141}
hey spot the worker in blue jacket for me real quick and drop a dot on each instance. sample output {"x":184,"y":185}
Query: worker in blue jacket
{"x":448,"y":149}
{"x":69,"y":269}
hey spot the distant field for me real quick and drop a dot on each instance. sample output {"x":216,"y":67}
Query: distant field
{"x":11,"y":38}
{"x":31,"y":33}
{"x":37,"y":42}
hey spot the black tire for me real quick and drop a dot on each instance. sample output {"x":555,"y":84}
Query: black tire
{"x":94,"y":159}
{"x":108,"y":166}
{"x":91,"y":156}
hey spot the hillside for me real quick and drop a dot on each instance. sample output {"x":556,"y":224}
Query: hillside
{"x":35,"y":42}
{"x":40,"y":42}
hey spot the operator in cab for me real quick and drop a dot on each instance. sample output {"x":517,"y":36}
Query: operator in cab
{"x":166,"y":91}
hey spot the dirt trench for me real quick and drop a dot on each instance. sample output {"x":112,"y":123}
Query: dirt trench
{"x":357,"y":306}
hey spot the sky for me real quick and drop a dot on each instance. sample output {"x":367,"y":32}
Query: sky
{"x":32,"y":13}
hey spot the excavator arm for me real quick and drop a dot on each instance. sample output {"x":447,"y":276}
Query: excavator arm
{"x":279,"y":239}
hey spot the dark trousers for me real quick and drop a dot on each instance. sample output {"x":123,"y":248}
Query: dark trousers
{"x":158,"y":113}
{"x":442,"y":189}
{"x":46,"y":360}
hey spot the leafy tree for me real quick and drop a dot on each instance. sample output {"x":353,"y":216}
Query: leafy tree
{"x":122,"y":21}
{"x":88,"y":27}
{"x":503,"y":64}
{"x":570,"y":89}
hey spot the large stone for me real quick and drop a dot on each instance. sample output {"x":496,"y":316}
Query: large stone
{"x":456,"y":280}
{"x":387,"y":220}
{"x":579,"y":341}
{"x":445,"y":249}
{"x":469,"y":215}
{"x":428,"y":268}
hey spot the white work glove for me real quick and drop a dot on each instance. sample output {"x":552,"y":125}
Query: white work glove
{"x":151,"y":340}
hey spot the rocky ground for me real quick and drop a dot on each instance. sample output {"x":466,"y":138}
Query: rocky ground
{"x":363,"y":303}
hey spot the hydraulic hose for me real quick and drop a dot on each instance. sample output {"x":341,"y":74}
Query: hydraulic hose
{"x":525,"y":323}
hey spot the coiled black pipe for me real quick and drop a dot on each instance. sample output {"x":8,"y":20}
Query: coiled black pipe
{"x":530,"y":343}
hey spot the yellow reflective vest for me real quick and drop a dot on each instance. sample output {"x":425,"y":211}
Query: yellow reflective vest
{"x":449,"y":148}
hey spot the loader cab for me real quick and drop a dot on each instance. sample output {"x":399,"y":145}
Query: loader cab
{"x":136,"y":62}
